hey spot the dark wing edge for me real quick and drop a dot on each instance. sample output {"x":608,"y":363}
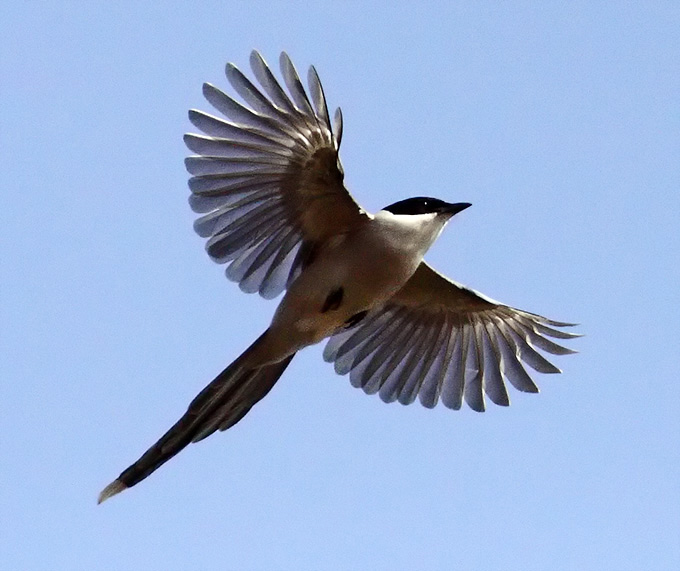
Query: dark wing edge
{"x":267,"y":181}
{"x":440,"y":341}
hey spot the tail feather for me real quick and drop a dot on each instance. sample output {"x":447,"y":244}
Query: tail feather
{"x":220,"y":405}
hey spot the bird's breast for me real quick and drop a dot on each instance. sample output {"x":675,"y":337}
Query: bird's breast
{"x":349,"y":276}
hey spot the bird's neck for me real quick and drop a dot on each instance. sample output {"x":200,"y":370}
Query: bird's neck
{"x":412,"y":233}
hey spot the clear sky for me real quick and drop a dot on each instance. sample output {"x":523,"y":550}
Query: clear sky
{"x":561,"y":124}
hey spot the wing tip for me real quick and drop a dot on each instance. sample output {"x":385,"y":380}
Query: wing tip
{"x":560,"y":323}
{"x":568,"y":351}
{"x":209,"y":90}
{"x":115,"y":487}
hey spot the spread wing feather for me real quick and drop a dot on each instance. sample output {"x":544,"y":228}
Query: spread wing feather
{"x":267,"y":180}
{"x":440,"y":341}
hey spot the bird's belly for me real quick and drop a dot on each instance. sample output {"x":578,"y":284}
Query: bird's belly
{"x":337,"y":287}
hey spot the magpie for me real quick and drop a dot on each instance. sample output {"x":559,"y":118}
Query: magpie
{"x":268,"y":184}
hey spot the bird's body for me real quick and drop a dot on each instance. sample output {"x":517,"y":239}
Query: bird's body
{"x":364,"y":268}
{"x":269,"y":186}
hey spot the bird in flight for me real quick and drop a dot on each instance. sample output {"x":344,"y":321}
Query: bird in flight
{"x":268,"y":185}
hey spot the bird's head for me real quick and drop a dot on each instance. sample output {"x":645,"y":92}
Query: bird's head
{"x":420,"y":205}
{"x":421,"y":218}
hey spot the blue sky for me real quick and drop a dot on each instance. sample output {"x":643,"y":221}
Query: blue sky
{"x":559,"y":123}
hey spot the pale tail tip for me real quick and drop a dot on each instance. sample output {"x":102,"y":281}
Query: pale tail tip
{"x":115,"y":487}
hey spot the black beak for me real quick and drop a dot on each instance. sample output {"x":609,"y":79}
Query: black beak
{"x":455,"y":208}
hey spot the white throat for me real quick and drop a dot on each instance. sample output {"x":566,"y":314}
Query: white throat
{"x":413,"y":232}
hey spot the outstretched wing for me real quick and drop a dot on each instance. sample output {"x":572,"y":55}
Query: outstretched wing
{"x":268,"y":182}
{"x":438,"y":340}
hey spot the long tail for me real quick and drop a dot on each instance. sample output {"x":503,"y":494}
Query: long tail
{"x":220,"y":405}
